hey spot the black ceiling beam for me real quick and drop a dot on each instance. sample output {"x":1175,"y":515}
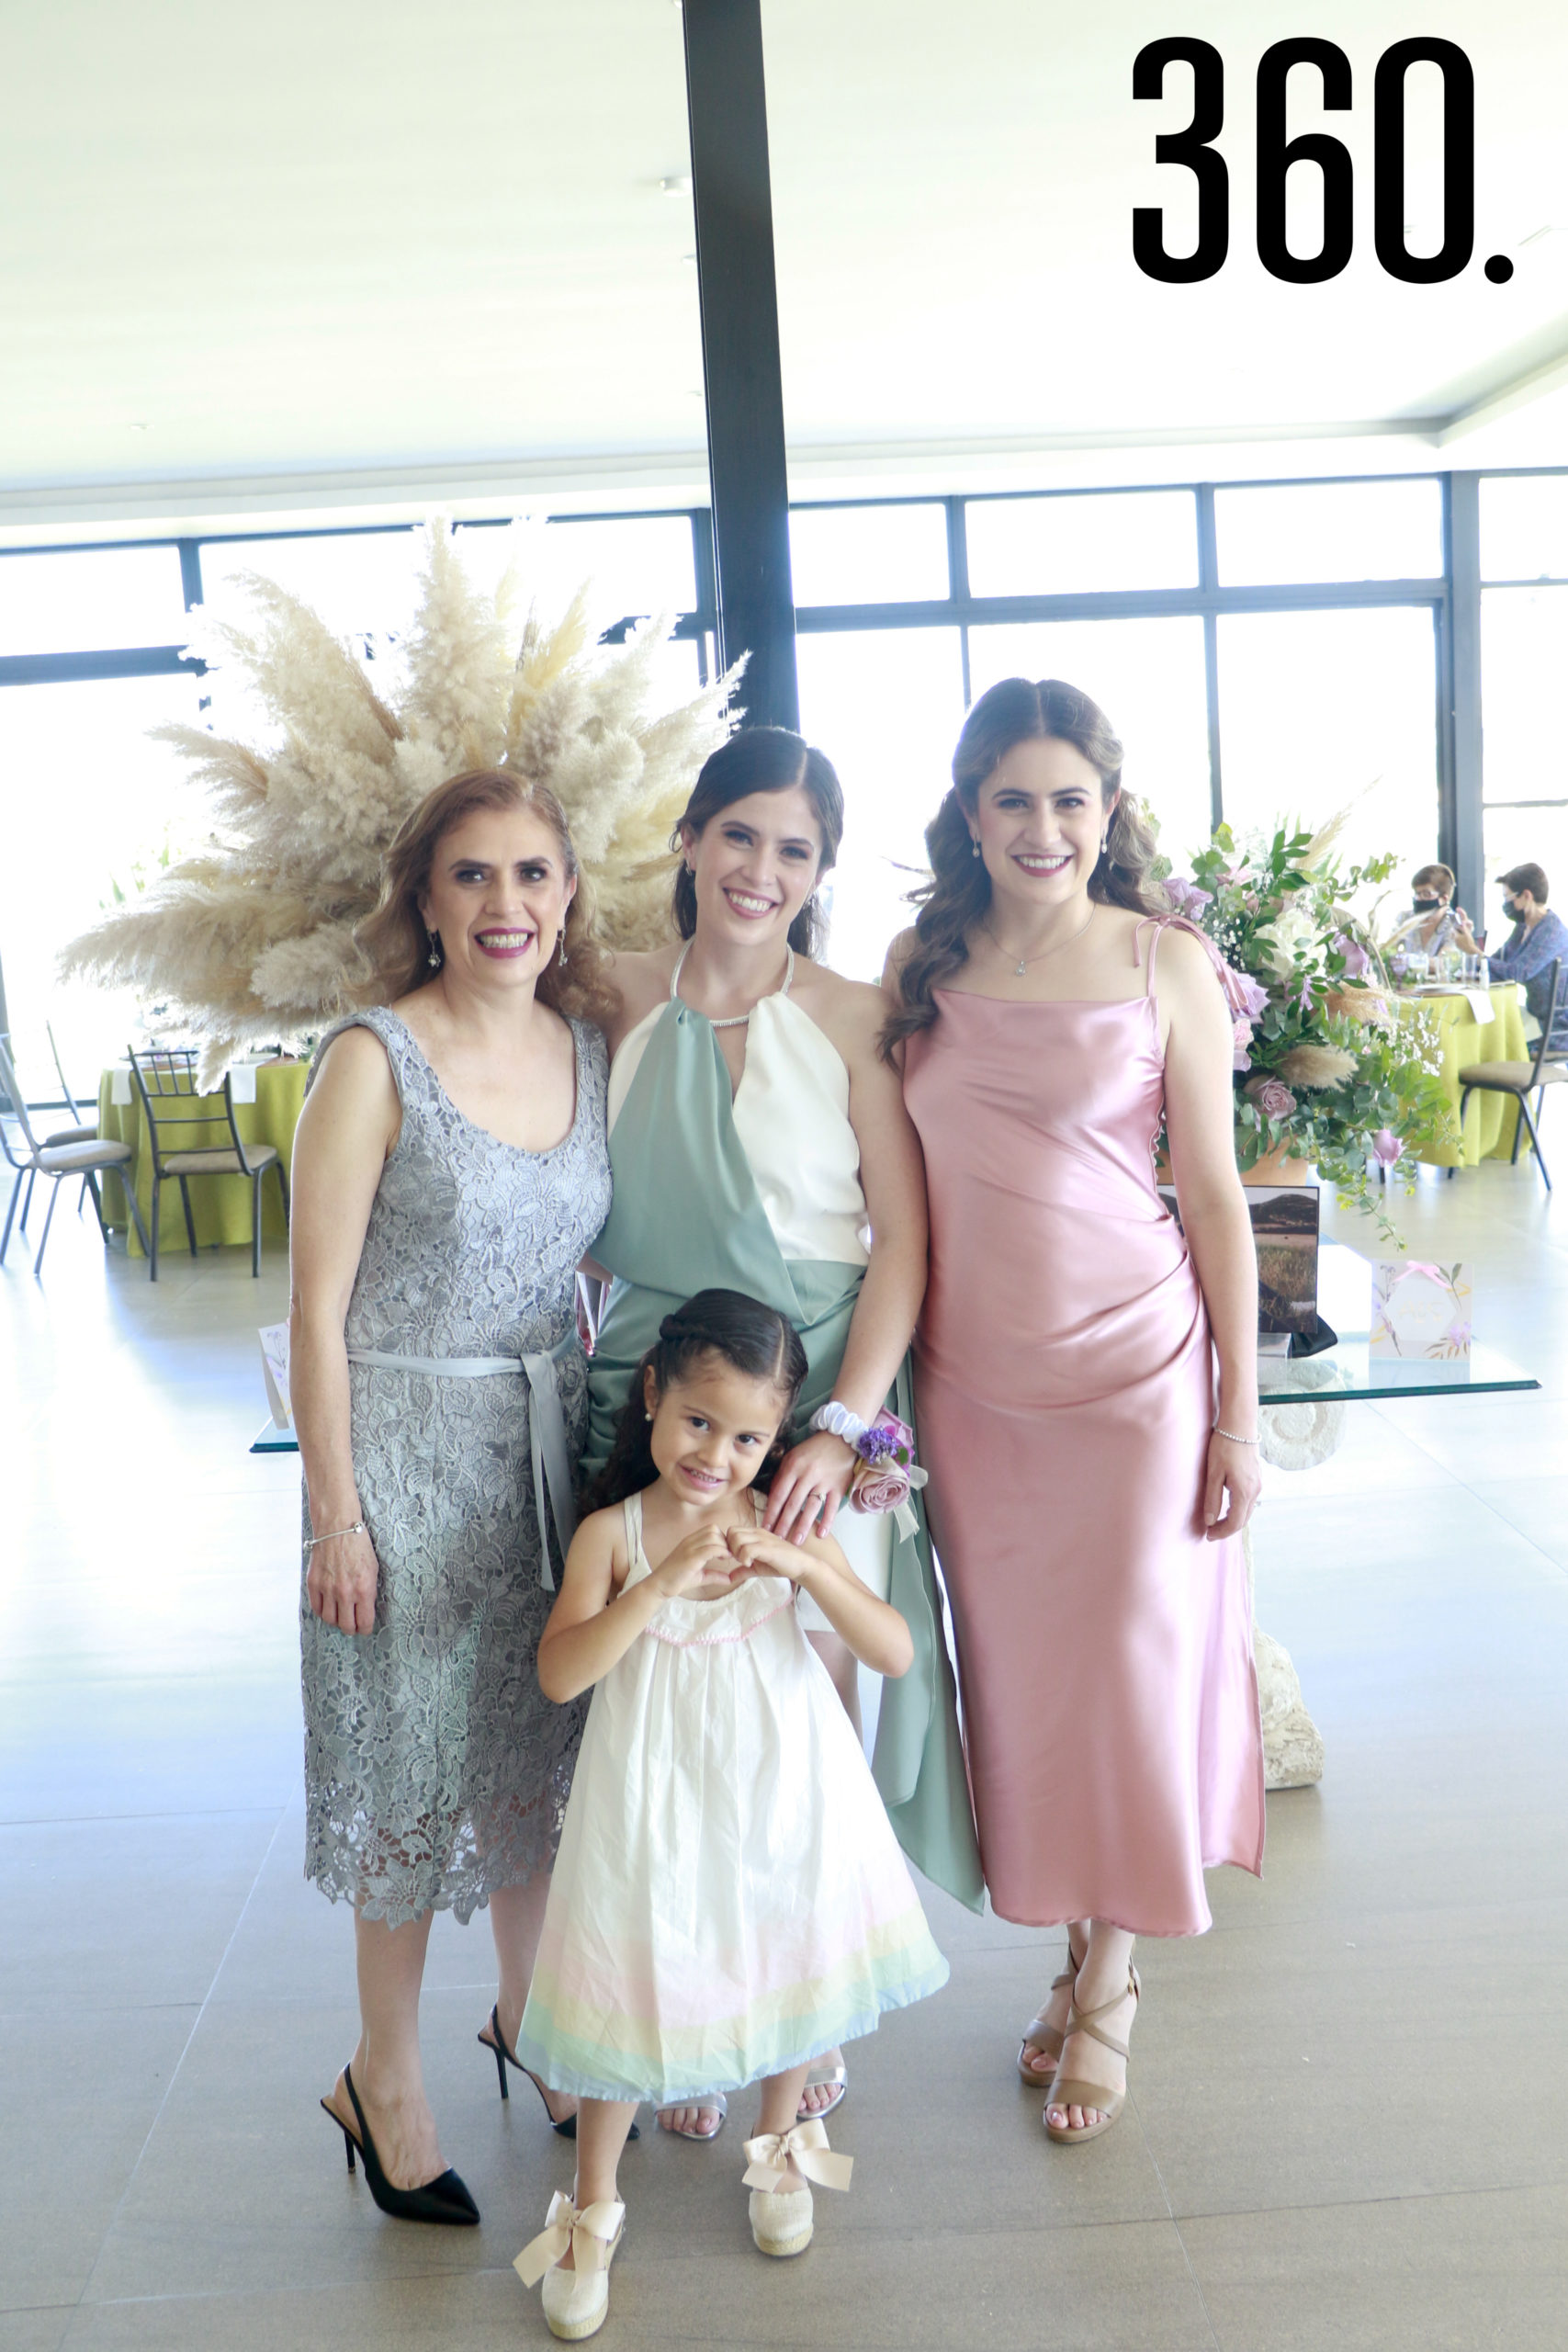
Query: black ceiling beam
{"x":733,"y":200}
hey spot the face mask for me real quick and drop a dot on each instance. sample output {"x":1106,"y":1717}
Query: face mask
{"x":1511,"y":908}
{"x":1426,"y":906}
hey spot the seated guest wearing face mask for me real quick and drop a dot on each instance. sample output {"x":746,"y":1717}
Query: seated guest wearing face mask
{"x":1537,"y":940}
{"x":1434,"y":923}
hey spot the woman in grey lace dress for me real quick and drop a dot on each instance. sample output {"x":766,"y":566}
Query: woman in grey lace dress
{"x":450,"y":1171}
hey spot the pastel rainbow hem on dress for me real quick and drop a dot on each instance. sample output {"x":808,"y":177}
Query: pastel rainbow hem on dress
{"x":584,"y":2041}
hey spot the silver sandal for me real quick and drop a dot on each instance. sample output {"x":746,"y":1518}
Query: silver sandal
{"x":834,"y":2078}
{"x":698,"y":2098}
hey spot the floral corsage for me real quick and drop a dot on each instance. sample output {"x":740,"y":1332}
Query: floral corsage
{"x":886,"y":1471}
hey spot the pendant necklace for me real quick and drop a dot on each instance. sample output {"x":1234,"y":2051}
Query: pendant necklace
{"x":1024,"y":963}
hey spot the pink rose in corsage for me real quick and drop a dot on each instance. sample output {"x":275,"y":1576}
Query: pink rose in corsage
{"x":887,"y":1470}
{"x":1387,"y":1149}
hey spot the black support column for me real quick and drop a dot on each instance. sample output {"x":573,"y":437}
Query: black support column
{"x":1459,"y":822}
{"x":733,"y":203}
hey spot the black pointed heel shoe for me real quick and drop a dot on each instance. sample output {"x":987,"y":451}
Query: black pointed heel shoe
{"x":445,"y":2198}
{"x":504,"y":2058}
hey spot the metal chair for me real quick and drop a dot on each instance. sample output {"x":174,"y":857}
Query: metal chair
{"x":1521,"y":1080}
{"x":80,"y":1133}
{"x":164,"y":1077}
{"x":57,"y":1162}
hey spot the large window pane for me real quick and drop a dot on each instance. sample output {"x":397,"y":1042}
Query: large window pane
{"x":1316,"y":708}
{"x":86,"y":800}
{"x":359,"y":582}
{"x":1076,"y":544}
{"x":1148,"y":677}
{"x":886,"y":706}
{"x":868,"y":555}
{"x":1524,"y":653}
{"x":1524,"y":528}
{"x":1330,"y":531}
{"x":84,"y":603}
{"x":639,"y":565}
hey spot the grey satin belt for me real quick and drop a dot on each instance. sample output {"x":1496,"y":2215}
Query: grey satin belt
{"x":547,"y":1425}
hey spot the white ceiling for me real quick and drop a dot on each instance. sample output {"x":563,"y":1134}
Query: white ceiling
{"x":357,"y":255}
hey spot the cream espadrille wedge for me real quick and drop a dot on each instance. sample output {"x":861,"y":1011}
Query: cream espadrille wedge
{"x":576,"y":2302}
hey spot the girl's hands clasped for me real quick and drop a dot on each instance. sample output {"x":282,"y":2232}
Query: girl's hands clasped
{"x":757,"y":1552}
{"x":700,"y":1568}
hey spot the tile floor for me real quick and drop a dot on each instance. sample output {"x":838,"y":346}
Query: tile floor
{"x":1347,"y":2118}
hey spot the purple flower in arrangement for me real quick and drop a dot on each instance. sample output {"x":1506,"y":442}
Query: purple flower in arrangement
{"x":1357,"y":959}
{"x":1272,"y":1096}
{"x":1387,"y":1149}
{"x":1306,"y":994}
{"x":1186,"y":897}
{"x":1252,"y":996}
{"x":1241,"y":1038}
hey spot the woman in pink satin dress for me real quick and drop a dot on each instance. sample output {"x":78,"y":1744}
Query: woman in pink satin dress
{"x":1086,"y":1378}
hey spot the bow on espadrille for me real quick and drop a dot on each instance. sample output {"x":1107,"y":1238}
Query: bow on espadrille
{"x":808,"y":2142}
{"x":591,"y":2236}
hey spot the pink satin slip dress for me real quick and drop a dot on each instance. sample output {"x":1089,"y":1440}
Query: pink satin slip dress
{"x":1065,"y":1386}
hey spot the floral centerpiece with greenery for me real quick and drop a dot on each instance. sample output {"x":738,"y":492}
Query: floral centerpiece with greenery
{"x":1326,"y":1069}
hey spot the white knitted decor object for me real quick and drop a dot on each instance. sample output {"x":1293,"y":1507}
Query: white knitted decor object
{"x":1293,"y":1437}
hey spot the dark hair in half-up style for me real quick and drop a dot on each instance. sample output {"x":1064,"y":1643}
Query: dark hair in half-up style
{"x":764,"y":759}
{"x":1015,"y":710}
{"x":755,"y":1339}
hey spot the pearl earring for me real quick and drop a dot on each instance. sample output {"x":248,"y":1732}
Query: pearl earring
{"x":974,"y":846}
{"x":434,"y":958}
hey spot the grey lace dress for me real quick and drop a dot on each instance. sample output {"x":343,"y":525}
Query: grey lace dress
{"x":435,"y":1769}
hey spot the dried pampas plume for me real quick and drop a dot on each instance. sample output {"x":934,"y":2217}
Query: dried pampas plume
{"x":254,"y":939}
{"x":1317,"y":1065}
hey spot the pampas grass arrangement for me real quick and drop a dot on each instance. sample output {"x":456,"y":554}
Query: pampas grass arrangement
{"x":252,"y":940}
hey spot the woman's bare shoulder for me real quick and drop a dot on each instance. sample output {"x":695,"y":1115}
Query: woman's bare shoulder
{"x":851,"y":1012}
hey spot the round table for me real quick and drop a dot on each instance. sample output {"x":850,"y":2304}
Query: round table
{"x":220,"y":1205}
{"x":1490,"y":1121}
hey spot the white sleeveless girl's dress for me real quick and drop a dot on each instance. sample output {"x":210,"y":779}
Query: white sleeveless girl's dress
{"x":729,"y":1900}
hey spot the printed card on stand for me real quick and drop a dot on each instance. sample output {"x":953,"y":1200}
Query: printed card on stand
{"x":273,"y":1337}
{"x":1421,"y":1311}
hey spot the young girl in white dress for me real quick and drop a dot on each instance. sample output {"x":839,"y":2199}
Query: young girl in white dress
{"x":729,"y":1900}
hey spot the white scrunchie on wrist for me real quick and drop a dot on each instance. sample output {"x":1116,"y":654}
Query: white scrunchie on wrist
{"x":838,"y":1421}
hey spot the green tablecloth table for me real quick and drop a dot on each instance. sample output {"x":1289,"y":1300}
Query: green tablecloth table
{"x":1490,"y":1121}
{"x":220,"y":1205}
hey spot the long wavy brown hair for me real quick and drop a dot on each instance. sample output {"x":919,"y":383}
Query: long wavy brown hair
{"x":1015,"y":710}
{"x":393,"y":939}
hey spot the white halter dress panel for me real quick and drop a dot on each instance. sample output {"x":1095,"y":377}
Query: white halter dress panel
{"x":792,"y":1115}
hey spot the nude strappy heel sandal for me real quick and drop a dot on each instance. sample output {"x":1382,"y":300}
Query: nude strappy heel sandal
{"x":1067,"y":2090}
{"x":1046,"y":2039}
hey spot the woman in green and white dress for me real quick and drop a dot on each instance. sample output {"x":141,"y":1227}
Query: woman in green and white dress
{"x":758,"y":1144}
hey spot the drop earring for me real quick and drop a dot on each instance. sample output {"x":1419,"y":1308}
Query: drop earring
{"x":974,"y":846}
{"x":560,"y":945}
{"x":434,"y":958}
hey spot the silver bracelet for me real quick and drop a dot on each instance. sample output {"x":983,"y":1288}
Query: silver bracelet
{"x":838,"y":1421}
{"x":311,"y":1540}
{"x":1217,"y":1432}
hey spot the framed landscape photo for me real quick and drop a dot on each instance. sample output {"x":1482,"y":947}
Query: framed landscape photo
{"x":1285,"y":1226}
